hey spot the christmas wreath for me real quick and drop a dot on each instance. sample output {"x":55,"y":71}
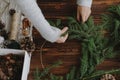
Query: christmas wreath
{"x":99,"y":42}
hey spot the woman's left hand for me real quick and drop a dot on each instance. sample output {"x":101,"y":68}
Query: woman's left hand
{"x":62,"y":39}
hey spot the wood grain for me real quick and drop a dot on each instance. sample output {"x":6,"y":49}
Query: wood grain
{"x":69,"y":52}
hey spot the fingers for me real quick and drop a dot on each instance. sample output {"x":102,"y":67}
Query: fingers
{"x":83,"y":12}
{"x":64,"y":30}
{"x":62,"y":39}
{"x":78,"y":14}
{"x":86,"y":16}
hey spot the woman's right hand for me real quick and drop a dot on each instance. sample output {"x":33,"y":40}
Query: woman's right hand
{"x":62,"y":39}
{"x":83,"y":13}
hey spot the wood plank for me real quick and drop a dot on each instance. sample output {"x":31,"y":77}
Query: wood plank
{"x":68,"y":52}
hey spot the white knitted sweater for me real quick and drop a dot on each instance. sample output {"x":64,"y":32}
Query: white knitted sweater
{"x":34,"y":14}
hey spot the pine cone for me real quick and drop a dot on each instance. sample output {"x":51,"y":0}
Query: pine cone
{"x":108,"y":77}
{"x":27,"y":44}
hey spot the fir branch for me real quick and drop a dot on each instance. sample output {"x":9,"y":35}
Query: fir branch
{"x":71,"y":74}
{"x":100,"y":73}
{"x":115,"y":9}
{"x":39,"y":75}
{"x":84,"y":62}
{"x":54,"y":77}
{"x":95,"y":46}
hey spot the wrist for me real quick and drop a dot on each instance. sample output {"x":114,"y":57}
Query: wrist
{"x":86,"y":3}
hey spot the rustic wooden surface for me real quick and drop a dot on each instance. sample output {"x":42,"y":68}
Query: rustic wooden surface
{"x":69,"y":52}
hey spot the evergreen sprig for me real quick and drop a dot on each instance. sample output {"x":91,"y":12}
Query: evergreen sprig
{"x":100,"y":73}
{"x":39,"y":75}
{"x":112,"y":21}
{"x":98,"y":43}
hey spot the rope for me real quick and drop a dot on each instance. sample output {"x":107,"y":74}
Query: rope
{"x":41,"y":57}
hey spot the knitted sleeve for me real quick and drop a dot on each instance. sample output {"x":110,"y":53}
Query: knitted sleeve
{"x":34,"y":14}
{"x":87,"y":3}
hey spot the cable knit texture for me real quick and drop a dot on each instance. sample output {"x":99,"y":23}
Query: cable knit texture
{"x":87,"y":3}
{"x":34,"y":14}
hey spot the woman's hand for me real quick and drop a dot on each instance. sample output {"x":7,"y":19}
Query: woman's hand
{"x":62,"y":39}
{"x":83,"y":13}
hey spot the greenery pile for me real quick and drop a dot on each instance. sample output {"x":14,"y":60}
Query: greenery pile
{"x":98,"y":43}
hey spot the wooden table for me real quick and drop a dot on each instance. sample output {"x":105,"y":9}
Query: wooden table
{"x":68,"y":52}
